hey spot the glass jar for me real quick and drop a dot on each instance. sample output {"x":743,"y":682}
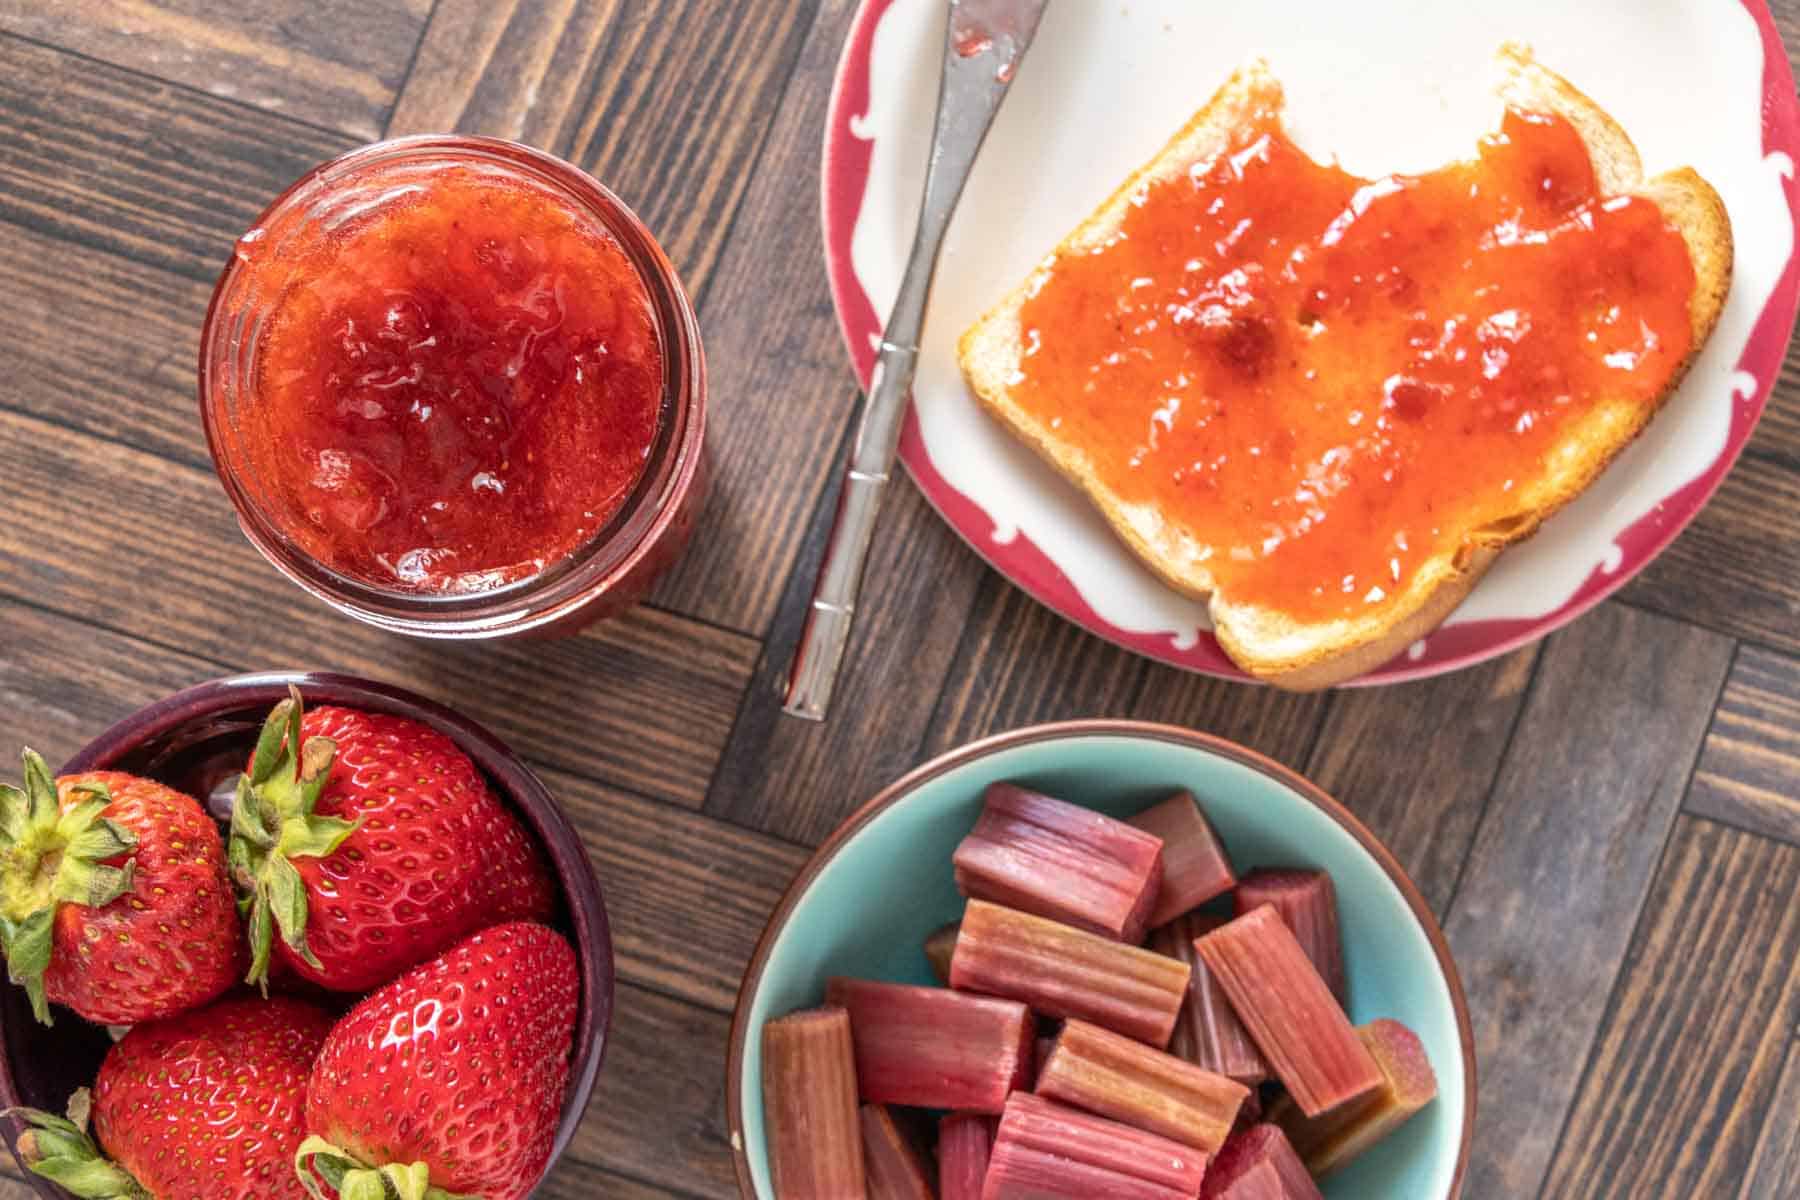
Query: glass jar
{"x":603,"y":574}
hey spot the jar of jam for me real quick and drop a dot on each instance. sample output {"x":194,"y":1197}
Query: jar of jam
{"x":454,"y":388}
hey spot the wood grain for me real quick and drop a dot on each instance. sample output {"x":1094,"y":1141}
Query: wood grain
{"x":103,"y":345}
{"x":1021,"y":664}
{"x":777,"y":366}
{"x":666,"y":105}
{"x":1560,"y":865}
{"x":111,"y":160}
{"x":1775,"y":1167}
{"x":659,"y":1111}
{"x":335,"y":63}
{"x":1749,"y":772}
{"x":797,"y":779}
{"x":687,"y":896}
{"x":150,"y":548}
{"x":1416,"y":762}
{"x":1687,"y":1064}
{"x":572,"y":1179}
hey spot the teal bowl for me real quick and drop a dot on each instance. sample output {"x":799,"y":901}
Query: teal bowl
{"x":882,"y":881}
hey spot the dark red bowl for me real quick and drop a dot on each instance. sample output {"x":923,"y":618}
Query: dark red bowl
{"x":198,"y":741}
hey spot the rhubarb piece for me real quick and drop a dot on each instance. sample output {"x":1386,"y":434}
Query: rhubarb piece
{"x":1408,"y":1084}
{"x":895,"y":1172}
{"x":1207,"y":1033}
{"x":965,"y":1140}
{"x":1290,"y":1013}
{"x":809,"y":1106}
{"x":1097,"y":1070}
{"x":1047,"y":1151}
{"x":934,"y":1048}
{"x":940,"y":948}
{"x":1064,"y":972}
{"x":1307,"y":901}
{"x":1258,"y":1164}
{"x":1061,"y":861}
{"x":1194,"y":866}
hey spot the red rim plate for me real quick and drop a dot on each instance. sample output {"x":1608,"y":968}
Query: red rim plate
{"x":843,"y":180}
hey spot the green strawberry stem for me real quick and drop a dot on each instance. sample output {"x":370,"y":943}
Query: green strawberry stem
{"x":61,"y":1151}
{"x":273,"y":823}
{"x":352,"y":1180}
{"x":47,"y":858}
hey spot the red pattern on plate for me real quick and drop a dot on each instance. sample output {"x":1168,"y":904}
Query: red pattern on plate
{"x":843,"y":181}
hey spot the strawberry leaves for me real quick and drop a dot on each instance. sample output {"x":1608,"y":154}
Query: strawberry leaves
{"x":353,"y":1181}
{"x":59,"y":1149}
{"x":49,"y":857}
{"x":272,"y":823}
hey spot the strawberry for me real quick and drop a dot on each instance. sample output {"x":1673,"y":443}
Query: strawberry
{"x":450,"y":1079}
{"x":114,"y":898}
{"x":203,"y":1106}
{"x":370,"y":843}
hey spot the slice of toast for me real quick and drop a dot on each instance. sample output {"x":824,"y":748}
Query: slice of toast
{"x":1278,"y":646}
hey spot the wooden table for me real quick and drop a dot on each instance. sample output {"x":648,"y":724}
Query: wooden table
{"x":1608,"y":822}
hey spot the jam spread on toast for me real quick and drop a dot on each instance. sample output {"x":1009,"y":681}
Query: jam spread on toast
{"x":455,"y":389}
{"x":1326,"y":379}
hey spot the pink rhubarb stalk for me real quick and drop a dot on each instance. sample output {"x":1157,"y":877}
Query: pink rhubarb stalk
{"x":1291,"y":1014}
{"x":1061,"y":861}
{"x":1046,"y":1151}
{"x":895,"y":1172}
{"x":1408,"y":1084}
{"x":1194,"y":866}
{"x":935,"y":1048}
{"x":1102,"y":1072}
{"x":809,"y":1106}
{"x":965,"y":1140}
{"x":1061,"y":971}
{"x":1207,"y":1032}
{"x":1258,"y":1164}
{"x":1307,"y":901}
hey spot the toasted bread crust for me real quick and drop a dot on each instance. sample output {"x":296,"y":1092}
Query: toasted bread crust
{"x":1272,"y":645}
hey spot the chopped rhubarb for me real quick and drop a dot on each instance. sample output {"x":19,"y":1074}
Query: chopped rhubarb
{"x":1065,"y":972}
{"x":809,"y":1105}
{"x":1061,"y":861}
{"x":895,"y":1172}
{"x":1194,"y":866}
{"x":964,"y":1142}
{"x":1102,"y":1072}
{"x":1290,"y":1013}
{"x":1207,"y":1033}
{"x":935,"y":1048}
{"x":1308,"y":903}
{"x":940,"y":947}
{"x":1046,"y":1151}
{"x":1408,"y":1084}
{"x":1258,"y":1164}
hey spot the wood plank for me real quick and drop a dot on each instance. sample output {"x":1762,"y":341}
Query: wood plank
{"x":103,"y":344}
{"x":1736,"y":569}
{"x":1021,"y":664}
{"x":109,"y":159}
{"x":150,"y":548}
{"x":1775,"y":1167}
{"x":659,"y":1111}
{"x":1749,"y":773}
{"x":667,"y":105}
{"x":777,"y":367}
{"x":572,"y":1179}
{"x":1416,"y":762}
{"x":1560,"y":864}
{"x":336,"y":63}
{"x":687,"y":896}
{"x":797,"y":779}
{"x":1688,"y":1062}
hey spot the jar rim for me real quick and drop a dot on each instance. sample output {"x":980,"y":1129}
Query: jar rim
{"x":553,"y":593}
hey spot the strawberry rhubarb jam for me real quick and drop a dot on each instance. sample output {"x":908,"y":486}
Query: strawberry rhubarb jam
{"x":455,"y":386}
{"x":1325,"y":378}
